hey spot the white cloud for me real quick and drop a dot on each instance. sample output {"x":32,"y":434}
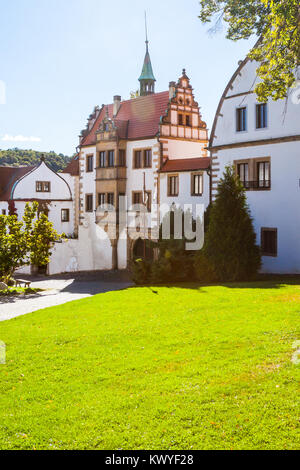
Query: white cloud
{"x":20,"y":138}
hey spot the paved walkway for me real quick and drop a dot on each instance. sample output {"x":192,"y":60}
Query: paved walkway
{"x":60,"y":290}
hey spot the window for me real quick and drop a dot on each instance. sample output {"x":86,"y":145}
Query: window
{"x":148,"y":195}
{"x":173,"y":186}
{"x":102,"y":159}
{"x":148,"y":159}
{"x":261,"y":116}
{"x":197,"y":185}
{"x":137,"y":197}
{"x":188,"y":120}
{"x":89,"y":203}
{"x":65,"y":215}
{"x":122,"y":158}
{"x":3,"y":212}
{"x":243,"y":172}
{"x":111,"y":158}
{"x":263,"y":175}
{"x":241,"y":119}
{"x":180,"y":119}
{"x":43,"y":186}
{"x":101,"y":199}
{"x":137,"y":159}
{"x":254,"y":173}
{"x":89,"y":163}
{"x":269,"y":241}
{"x":110,"y":198}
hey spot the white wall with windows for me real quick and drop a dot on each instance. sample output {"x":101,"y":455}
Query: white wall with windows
{"x":192,"y":188}
{"x":270,"y":171}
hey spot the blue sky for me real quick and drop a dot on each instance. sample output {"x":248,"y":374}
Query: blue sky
{"x":60,"y":58}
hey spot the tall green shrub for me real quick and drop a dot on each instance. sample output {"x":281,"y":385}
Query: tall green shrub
{"x":230,"y":248}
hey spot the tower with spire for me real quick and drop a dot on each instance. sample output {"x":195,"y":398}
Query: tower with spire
{"x":147,"y":79}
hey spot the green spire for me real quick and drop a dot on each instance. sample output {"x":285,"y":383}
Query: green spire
{"x":147,"y":72}
{"x":147,"y":79}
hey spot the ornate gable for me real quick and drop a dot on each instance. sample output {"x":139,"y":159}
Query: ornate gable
{"x":183,"y":119}
{"x":107,"y":129}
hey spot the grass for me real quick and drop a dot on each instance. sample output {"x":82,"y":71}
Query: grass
{"x":164,"y":368}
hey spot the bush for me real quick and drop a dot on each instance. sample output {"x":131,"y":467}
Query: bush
{"x":141,"y":271}
{"x":204,"y":269}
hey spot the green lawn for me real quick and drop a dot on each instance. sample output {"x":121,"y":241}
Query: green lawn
{"x":179,"y":368}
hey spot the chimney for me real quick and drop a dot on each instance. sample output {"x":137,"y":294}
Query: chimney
{"x":172,"y":88}
{"x":117,"y":104}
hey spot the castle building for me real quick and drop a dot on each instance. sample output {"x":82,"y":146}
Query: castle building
{"x":151,"y":149}
{"x":262,"y":141}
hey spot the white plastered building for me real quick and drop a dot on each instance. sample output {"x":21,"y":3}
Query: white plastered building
{"x":262,"y":140}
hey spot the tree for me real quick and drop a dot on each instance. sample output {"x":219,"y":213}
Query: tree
{"x":174,"y":263}
{"x":13,"y":251}
{"x":277,"y":25}
{"x":230,"y":244}
{"x":25,"y":242}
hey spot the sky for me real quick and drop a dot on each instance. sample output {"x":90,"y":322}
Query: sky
{"x":60,"y":58}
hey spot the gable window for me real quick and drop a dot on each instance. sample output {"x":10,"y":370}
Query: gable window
{"x":122,"y":158}
{"x":102,"y":159}
{"x":173,"y":185}
{"x":261,"y":116}
{"x":89,"y":163}
{"x":110,"y":198}
{"x":269,"y":242}
{"x":111,"y":158}
{"x":180,"y":119}
{"x":148,"y":158}
{"x":101,"y":199}
{"x":241,"y":119}
{"x":65,"y":215}
{"x":197,"y":184}
{"x":263,"y":175}
{"x":243,"y":172}
{"x":43,"y":186}
{"x":137,"y":159}
{"x":89,"y":203}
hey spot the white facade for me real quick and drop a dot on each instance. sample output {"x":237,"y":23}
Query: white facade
{"x":58,"y":198}
{"x":275,"y":207}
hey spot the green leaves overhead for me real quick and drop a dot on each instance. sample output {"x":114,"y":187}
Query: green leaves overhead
{"x":277,"y":24}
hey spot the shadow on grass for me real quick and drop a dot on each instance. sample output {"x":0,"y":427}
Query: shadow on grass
{"x":262,"y":282}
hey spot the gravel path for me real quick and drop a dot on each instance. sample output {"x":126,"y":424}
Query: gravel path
{"x":60,"y":290}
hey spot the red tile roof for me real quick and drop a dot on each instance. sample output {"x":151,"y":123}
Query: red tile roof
{"x":8,"y":177}
{"x":186,"y":164}
{"x":73,"y":167}
{"x":138,"y":118}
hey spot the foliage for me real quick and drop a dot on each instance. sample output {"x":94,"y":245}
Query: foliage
{"x":182,"y":368}
{"x":18,"y":290}
{"x":18,"y":157}
{"x":174,"y":263}
{"x":230,"y":242}
{"x":277,"y":24}
{"x":25,"y":242}
{"x":140,"y":271}
{"x":204,"y":268}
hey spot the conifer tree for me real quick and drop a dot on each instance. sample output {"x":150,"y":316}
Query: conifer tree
{"x":230,"y":244}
